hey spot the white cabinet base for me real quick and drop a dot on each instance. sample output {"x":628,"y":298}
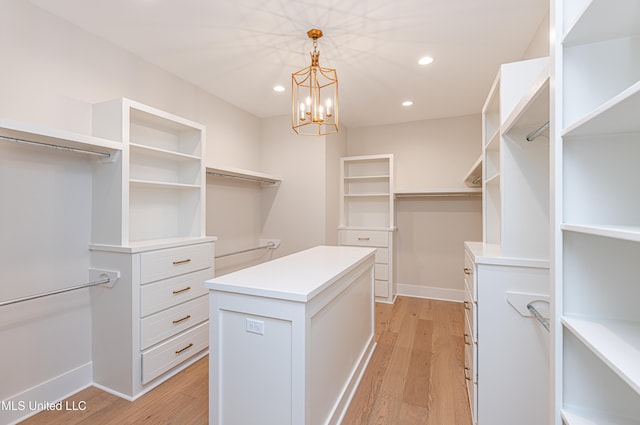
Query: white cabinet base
{"x":511,"y":383}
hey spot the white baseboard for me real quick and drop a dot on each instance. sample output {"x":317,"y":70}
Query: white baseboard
{"x":29,"y":402}
{"x":418,"y":291}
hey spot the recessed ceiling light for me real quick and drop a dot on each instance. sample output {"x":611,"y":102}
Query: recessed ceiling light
{"x":407,"y":103}
{"x":278,"y":89}
{"x":425,"y":60}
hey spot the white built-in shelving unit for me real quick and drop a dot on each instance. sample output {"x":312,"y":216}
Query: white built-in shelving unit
{"x":367,"y":214}
{"x":516,"y":171}
{"x":596,"y":319}
{"x":506,"y":347}
{"x":149,"y":224}
{"x":163,"y":184}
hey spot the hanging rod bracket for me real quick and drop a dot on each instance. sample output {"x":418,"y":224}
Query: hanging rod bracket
{"x":270,"y":243}
{"x":99,"y":274}
{"x":535,"y":133}
{"x":111,"y":158}
{"x":523,"y":304}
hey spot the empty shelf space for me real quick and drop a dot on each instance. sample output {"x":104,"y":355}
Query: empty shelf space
{"x":161,"y":153}
{"x":615,"y":342}
{"x":533,"y":109}
{"x":604,"y":20}
{"x":618,"y":115}
{"x":160,"y":184}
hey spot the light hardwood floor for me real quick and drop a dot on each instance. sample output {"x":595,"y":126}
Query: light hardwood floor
{"x":415,"y":376}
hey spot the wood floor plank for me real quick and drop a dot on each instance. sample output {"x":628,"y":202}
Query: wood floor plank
{"x":369,"y":387}
{"x":418,"y":382}
{"x":415,"y":377}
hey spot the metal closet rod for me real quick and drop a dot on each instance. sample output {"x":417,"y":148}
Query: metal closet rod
{"x":52,"y":146}
{"x":268,"y":245}
{"x":251,"y":179}
{"x":537,"y":132}
{"x":539,"y":317}
{"x":57,"y":291}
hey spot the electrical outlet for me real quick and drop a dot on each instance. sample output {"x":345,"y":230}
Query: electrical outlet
{"x":255,"y":326}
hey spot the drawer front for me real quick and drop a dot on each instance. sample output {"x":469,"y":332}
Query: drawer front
{"x":364,"y":238}
{"x":169,"y":292}
{"x":381,"y":271}
{"x":472,"y":383}
{"x":382,"y":255}
{"x":167,"y":355}
{"x":381,"y":288}
{"x":168,"y":323}
{"x":469,"y":276}
{"x":156,"y":265}
{"x":470,"y":311}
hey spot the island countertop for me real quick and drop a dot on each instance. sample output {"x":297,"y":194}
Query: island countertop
{"x":296,"y":277}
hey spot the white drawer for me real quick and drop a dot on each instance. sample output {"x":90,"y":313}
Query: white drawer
{"x":381,"y":288}
{"x":156,"y":265}
{"x":469,"y":335}
{"x":381,"y":271}
{"x":167,"y":323}
{"x":470,"y":310}
{"x":167,"y":355}
{"x":364,"y":238}
{"x":169,"y":292}
{"x":472,"y":382}
{"x":382,"y":255}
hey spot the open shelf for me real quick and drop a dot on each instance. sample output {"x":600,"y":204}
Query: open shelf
{"x":615,"y":342}
{"x":604,"y":20}
{"x":474,"y":176}
{"x":241,"y":174}
{"x":629,"y":233}
{"x":438,"y":192}
{"x":160,"y":185}
{"x":533,"y":109}
{"x":57,"y":138}
{"x":618,"y":115}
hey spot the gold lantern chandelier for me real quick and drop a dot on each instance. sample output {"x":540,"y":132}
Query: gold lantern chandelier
{"x":314,"y":96}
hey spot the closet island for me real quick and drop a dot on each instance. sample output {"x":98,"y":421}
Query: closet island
{"x":290,"y":338}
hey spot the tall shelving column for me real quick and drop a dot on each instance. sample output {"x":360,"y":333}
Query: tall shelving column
{"x":596,"y":319}
{"x":367,"y":214}
{"x":506,"y":347}
{"x":150,"y":226}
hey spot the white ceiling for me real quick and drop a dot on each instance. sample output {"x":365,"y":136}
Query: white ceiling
{"x":239,"y":49}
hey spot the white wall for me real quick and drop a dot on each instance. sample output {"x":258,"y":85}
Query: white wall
{"x":295,"y":211}
{"x":336,"y":148}
{"x":429,"y":154}
{"x":539,"y":45}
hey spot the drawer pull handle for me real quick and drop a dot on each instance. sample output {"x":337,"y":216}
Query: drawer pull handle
{"x":188,"y":316}
{"x":467,"y":305}
{"x":176,"y":263}
{"x":179,"y":291}
{"x":185,"y":348}
{"x":467,"y":270}
{"x":468,"y":378}
{"x":363,"y":239}
{"x":467,"y":339}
